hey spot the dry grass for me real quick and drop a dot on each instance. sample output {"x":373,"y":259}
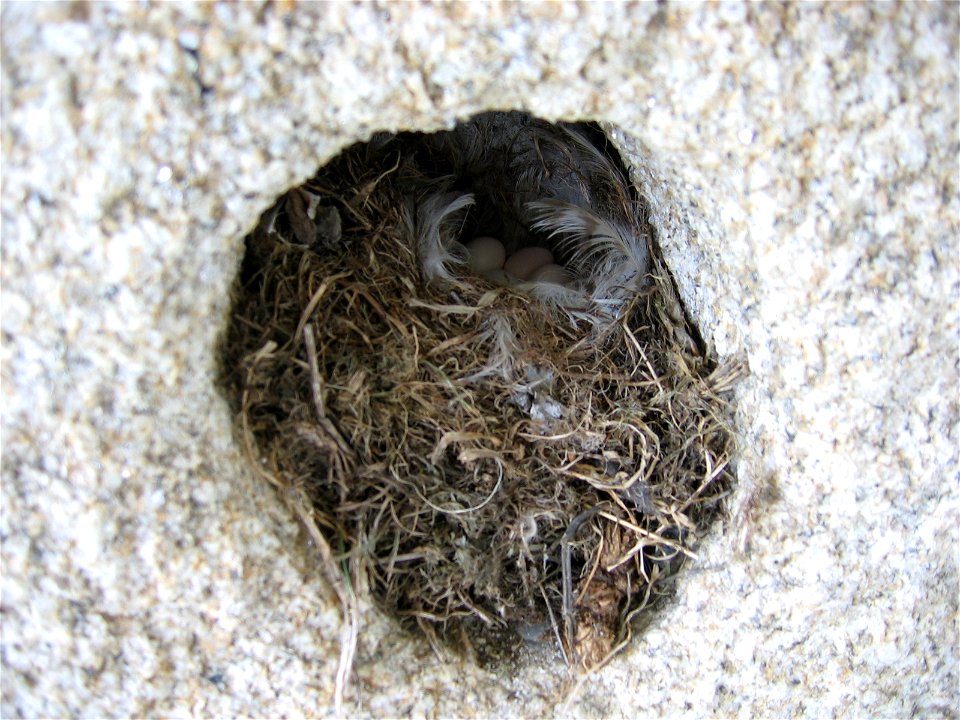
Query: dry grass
{"x":490,"y":487}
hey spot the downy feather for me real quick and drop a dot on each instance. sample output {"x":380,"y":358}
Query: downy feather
{"x":436,"y":245}
{"x":596,"y":246}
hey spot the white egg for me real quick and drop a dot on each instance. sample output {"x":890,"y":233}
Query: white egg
{"x":526,"y":261}
{"x":552,"y":273}
{"x":486,"y":253}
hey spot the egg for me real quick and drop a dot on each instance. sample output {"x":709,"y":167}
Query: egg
{"x":552,"y":273}
{"x":526,"y":261}
{"x":486,"y":254}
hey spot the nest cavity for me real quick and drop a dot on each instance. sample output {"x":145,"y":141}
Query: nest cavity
{"x":496,"y":466}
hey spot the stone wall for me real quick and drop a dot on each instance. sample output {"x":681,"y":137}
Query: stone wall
{"x":801,"y":162}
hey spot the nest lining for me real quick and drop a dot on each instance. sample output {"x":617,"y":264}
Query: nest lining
{"x":495,"y":467}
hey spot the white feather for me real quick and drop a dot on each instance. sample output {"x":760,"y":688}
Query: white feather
{"x":556,"y":294}
{"x":436,"y":244}
{"x":609,"y":253}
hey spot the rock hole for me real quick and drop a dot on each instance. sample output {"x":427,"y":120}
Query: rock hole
{"x":511,"y":451}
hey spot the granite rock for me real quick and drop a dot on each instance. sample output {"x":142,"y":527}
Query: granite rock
{"x":801,"y":163}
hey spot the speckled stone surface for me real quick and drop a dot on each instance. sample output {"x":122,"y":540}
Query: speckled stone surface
{"x":801,"y":163}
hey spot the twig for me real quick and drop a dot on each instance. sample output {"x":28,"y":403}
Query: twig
{"x":556,"y":628}
{"x":349,"y":630}
{"x":319,"y":402}
{"x":569,"y":615}
{"x":315,"y":299}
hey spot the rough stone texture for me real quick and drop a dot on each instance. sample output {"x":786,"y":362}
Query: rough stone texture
{"x":802,"y":165}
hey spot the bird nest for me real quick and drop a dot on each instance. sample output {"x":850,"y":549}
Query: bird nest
{"x":497,"y":462}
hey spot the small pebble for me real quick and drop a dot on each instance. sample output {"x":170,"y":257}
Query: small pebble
{"x":526,"y":261}
{"x":486,"y":254}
